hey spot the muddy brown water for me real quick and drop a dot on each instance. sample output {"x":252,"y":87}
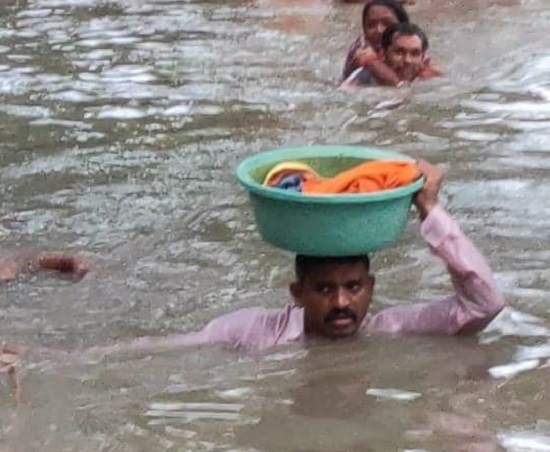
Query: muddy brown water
{"x":121,"y":125}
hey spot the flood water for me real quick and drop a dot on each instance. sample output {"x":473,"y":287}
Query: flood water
{"x":121,"y":126}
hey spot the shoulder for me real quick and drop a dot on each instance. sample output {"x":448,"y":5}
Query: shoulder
{"x":242,"y":317}
{"x":414,"y":318}
{"x":254,"y":327}
{"x":356,"y":44}
{"x":431,"y":70}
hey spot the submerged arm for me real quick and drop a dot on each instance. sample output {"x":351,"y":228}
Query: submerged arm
{"x":239,"y":329}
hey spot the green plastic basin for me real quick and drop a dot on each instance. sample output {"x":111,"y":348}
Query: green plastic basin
{"x":326,"y":225}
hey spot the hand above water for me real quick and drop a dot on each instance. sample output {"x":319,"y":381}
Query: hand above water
{"x":8,"y":358}
{"x":365,"y":56}
{"x":63,"y":263}
{"x":10,"y":364}
{"x":427,"y":198}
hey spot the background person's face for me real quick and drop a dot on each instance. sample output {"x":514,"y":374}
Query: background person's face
{"x":335,"y":298}
{"x":405,"y":56}
{"x":378,"y":19}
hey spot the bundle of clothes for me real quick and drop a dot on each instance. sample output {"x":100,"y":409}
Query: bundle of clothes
{"x":367,"y":177}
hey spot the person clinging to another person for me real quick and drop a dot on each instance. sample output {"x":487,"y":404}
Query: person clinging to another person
{"x":368,"y":54}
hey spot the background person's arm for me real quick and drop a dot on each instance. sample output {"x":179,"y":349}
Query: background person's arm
{"x":379,"y":72}
{"x":11,"y":267}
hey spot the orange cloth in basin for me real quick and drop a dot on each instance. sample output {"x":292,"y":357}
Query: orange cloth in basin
{"x":365,"y":178}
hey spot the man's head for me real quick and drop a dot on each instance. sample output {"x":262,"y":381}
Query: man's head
{"x":335,"y":293}
{"x":378,"y":15}
{"x":404,"y":46}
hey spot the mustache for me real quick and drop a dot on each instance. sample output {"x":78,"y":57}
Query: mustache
{"x":337,"y":313}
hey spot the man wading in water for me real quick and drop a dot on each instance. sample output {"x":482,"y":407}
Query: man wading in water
{"x":331,"y":296}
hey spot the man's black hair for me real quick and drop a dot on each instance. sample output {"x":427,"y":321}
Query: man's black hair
{"x":304,"y":265}
{"x":404,"y":29}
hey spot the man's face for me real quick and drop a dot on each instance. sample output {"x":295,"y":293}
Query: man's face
{"x":405,"y":56}
{"x":335,"y":298}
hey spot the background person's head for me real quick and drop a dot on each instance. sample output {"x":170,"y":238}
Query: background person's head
{"x":335,"y":293}
{"x":404,"y":47}
{"x":379,"y":15}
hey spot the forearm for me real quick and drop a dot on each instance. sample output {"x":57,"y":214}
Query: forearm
{"x":63,"y":263}
{"x":476,"y":300}
{"x":11,"y":267}
{"x":430,"y":71}
{"x":146,"y":345}
{"x":167,"y":343}
{"x":477,"y":297}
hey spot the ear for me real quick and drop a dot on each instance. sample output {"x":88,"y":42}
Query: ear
{"x":295,"y":289}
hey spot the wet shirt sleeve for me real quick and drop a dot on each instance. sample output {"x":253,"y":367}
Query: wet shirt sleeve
{"x":248,"y":329}
{"x":243,"y":329}
{"x":476,"y":300}
{"x":256,"y":328}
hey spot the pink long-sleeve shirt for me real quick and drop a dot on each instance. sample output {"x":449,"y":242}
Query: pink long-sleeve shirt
{"x":475,"y":302}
